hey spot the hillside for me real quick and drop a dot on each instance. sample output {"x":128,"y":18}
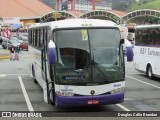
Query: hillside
{"x":146,"y":4}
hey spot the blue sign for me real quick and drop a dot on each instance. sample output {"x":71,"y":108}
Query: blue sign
{"x":16,"y":25}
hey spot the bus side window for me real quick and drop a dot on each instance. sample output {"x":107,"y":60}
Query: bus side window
{"x":33,"y":35}
{"x":47,"y":37}
{"x":41,"y":38}
{"x":35,"y":44}
{"x":30,"y":36}
{"x":38,"y":38}
{"x":44,"y":37}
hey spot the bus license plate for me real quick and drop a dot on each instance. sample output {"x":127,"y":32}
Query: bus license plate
{"x":93,"y":102}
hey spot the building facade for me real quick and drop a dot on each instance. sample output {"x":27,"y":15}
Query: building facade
{"x":80,"y":5}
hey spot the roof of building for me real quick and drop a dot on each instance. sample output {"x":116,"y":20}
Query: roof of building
{"x":76,"y":13}
{"x":119,"y":13}
{"x":23,"y":8}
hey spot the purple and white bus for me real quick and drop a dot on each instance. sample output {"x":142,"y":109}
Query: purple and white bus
{"x":147,"y":50}
{"x":78,"y":62}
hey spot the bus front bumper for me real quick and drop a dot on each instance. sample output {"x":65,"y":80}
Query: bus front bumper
{"x":67,"y":101}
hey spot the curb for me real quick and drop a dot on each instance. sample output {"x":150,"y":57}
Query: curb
{"x":5,"y":57}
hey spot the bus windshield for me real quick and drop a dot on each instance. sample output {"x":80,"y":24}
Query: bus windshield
{"x":88,"y":56}
{"x":131,"y":30}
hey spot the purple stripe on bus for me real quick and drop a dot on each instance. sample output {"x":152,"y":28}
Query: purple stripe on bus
{"x":67,"y":101}
{"x":129,"y":53}
{"x":52,"y":55}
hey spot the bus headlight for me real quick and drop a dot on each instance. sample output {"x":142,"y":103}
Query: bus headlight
{"x":117,"y":90}
{"x":65,"y":93}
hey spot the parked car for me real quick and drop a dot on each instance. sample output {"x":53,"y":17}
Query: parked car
{"x":2,"y":38}
{"x":9,"y":43}
{"x":14,"y":38}
{"x":21,"y":37}
{"x":24,"y":45}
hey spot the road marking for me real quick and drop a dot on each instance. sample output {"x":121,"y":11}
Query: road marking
{"x":143,"y":82}
{"x":134,"y":73}
{"x":2,"y":75}
{"x":25,"y":94}
{"x":124,"y":108}
{"x":128,"y":99}
{"x":14,"y":74}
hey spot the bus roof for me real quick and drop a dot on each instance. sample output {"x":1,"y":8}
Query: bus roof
{"x":148,"y":26}
{"x":70,"y":23}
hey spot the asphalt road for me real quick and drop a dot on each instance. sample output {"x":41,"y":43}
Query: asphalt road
{"x":142,"y":94}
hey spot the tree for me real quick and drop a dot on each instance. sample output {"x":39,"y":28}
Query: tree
{"x":145,"y":20}
{"x":1,"y":18}
{"x":122,"y":5}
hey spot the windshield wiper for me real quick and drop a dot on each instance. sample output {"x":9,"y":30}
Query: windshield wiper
{"x":96,"y":66}
{"x":92,"y":62}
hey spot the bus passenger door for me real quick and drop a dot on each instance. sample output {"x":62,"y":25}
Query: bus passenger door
{"x":44,"y":76}
{"x":44,"y":68}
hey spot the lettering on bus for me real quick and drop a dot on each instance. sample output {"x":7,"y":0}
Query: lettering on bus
{"x":143,"y":50}
{"x":149,"y":51}
{"x":153,"y":52}
{"x":66,"y":89}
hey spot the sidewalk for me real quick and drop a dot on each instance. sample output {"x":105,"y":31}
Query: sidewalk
{"x":4,"y":54}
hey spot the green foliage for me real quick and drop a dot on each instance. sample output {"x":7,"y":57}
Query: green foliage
{"x":1,"y":18}
{"x":145,"y":4}
{"x":121,"y":5}
{"x":144,"y":20}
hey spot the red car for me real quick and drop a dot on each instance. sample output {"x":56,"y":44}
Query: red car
{"x":24,"y":45}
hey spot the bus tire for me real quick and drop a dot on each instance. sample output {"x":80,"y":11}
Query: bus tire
{"x":51,"y":102}
{"x":149,"y":72}
{"x":3,"y":46}
{"x":33,"y":74}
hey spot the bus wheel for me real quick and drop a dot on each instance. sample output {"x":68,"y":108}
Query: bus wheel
{"x":51,"y":102}
{"x":149,"y":72}
{"x":3,"y":46}
{"x":33,"y":74}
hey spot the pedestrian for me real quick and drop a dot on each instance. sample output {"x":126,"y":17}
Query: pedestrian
{"x":12,"y":53}
{"x":17,"y":51}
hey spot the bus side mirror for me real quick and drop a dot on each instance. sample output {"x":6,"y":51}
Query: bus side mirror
{"x":52,"y":52}
{"x":129,"y":50}
{"x":129,"y":53}
{"x":121,"y":41}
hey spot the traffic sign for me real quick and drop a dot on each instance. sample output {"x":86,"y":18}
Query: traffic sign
{"x":7,"y":33}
